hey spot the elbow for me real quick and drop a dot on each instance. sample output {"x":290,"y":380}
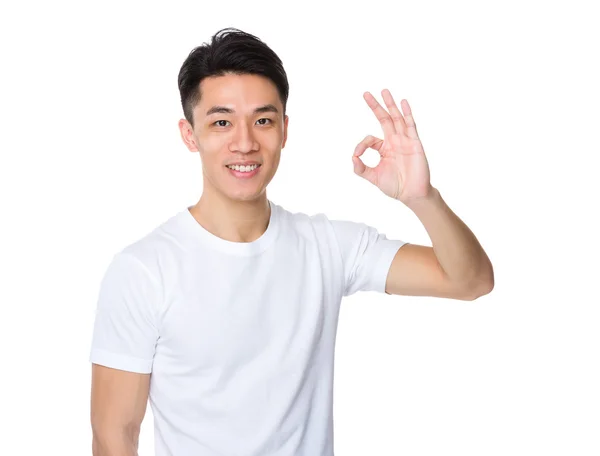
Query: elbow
{"x":112,"y":440}
{"x":482,"y":286}
{"x":481,"y":291}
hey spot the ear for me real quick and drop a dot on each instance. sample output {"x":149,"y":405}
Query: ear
{"x":285,"y":130}
{"x":187,"y":135}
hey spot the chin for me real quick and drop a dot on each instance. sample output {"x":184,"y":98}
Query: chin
{"x":250,"y":190}
{"x":245,"y":197}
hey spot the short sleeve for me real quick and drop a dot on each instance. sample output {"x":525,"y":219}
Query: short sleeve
{"x":125,"y":330}
{"x":367,"y":256}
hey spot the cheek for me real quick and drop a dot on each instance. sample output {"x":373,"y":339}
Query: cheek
{"x":273,"y":140}
{"x":213,"y":146}
{"x":212,"y":142}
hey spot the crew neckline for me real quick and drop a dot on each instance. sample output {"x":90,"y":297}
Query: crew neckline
{"x":230,"y":247}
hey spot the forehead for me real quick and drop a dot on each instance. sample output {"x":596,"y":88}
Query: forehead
{"x":240,"y":92}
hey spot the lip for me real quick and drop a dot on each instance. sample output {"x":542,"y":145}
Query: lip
{"x":242,"y":163}
{"x":241,"y":175}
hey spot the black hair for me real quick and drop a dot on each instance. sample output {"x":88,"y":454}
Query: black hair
{"x":230,"y":51}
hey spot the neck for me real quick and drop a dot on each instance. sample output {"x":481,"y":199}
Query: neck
{"x":232,"y":220}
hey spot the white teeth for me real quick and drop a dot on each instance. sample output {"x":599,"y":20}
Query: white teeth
{"x":243,"y":169}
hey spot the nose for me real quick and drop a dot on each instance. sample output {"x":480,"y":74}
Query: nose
{"x":243,"y":139}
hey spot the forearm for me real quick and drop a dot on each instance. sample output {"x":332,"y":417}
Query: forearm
{"x":114,"y":443}
{"x":457,"y":249}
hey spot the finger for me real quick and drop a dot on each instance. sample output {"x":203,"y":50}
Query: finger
{"x":382,"y":115}
{"x":363,"y":170}
{"x":395,"y":113}
{"x":369,"y":142}
{"x":411,"y":128}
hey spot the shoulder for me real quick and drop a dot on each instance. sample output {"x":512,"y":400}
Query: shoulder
{"x":323,"y":224}
{"x":316,"y":226}
{"x":157,"y":248}
{"x":316,"y":219}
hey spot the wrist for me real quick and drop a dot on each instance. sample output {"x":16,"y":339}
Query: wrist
{"x":430,"y":199}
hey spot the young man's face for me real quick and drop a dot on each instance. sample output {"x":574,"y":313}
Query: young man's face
{"x":239,"y":119}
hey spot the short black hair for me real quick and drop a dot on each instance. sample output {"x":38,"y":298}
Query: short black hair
{"x":230,"y":51}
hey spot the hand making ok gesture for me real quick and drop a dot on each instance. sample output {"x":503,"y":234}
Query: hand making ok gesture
{"x":402,"y":172}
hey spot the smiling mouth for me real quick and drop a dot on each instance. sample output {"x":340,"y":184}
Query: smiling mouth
{"x":243,"y":172}
{"x":243,"y":169}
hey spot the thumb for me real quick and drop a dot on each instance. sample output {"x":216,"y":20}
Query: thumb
{"x":363,"y":170}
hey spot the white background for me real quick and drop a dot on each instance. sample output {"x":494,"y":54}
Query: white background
{"x":506,"y":99}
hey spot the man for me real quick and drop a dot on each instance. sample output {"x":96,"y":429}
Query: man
{"x":225,"y":315}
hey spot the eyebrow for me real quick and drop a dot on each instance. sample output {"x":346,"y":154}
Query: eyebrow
{"x":224,"y":110}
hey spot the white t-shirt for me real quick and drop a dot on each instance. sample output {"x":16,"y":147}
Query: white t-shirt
{"x":239,"y":337}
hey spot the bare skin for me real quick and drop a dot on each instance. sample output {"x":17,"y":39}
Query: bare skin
{"x":233,"y":209}
{"x":236,"y":209}
{"x":118,"y":406}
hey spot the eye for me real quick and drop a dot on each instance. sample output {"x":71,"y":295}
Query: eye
{"x":219,"y":124}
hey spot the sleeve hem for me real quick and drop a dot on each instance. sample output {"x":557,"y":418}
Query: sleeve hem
{"x":120,"y":361}
{"x":384,"y":263}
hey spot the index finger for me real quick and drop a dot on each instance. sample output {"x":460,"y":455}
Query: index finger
{"x":382,"y":115}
